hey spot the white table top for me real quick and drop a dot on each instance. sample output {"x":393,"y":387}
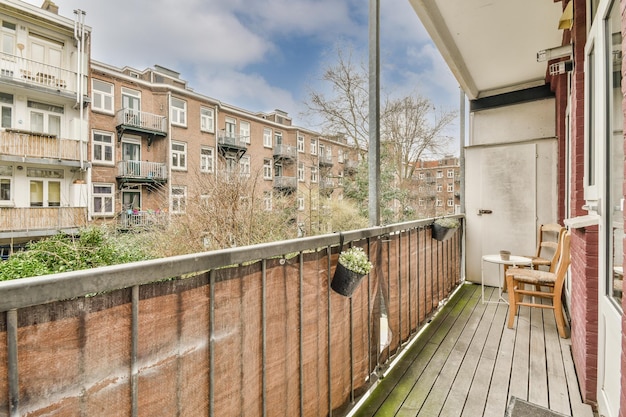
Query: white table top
{"x":513,"y":260}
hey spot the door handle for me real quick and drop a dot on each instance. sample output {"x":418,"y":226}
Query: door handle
{"x":482,"y":211}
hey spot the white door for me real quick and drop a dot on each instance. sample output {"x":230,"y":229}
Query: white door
{"x":604,"y":181}
{"x":501,"y":201}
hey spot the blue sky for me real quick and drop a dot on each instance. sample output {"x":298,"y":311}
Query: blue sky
{"x":261,"y":55}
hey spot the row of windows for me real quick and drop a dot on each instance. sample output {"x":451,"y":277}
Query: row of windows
{"x":438,"y":174}
{"x":438,"y":202}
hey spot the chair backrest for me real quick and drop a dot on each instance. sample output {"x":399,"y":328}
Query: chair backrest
{"x":563,"y":262}
{"x":549,"y":238}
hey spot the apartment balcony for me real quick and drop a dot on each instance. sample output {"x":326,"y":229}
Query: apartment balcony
{"x":285,"y":184}
{"x":141,"y":172}
{"x":325,"y":160}
{"x":139,"y":122}
{"x":351,"y":165}
{"x":35,"y":220}
{"x":327,"y":186}
{"x":48,"y":78}
{"x":25,"y":146}
{"x":229,"y":144}
{"x":142,"y":219}
{"x":285,"y":153}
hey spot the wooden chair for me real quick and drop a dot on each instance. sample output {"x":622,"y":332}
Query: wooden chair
{"x":516,"y":279}
{"x":548,"y":246}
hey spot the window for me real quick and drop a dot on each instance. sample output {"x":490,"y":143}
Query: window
{"x":267,"y":138}
{"x":179,"y":155}
{"x":45,"y":118}
{"x":301,"y":203}
{"x":178,"y":112}
{"x":421,"y":202}
{"x":450,"y":188}
{"x":206,"y":159}
{"x":244,"y":166}
{"x":45,"y":188}
{"x":422,"y":176}
{"x":300,"y":143}
{"x":131,"y":103}
{"x":103,"y":199}
{"x":8,"y":38}
{"x":313,"y":147}
{"x":439,"y":174}
{"x":267,"y":169}
{"x":102,"y":148}
{"x":267,"y":200}
{"x":450,"y":173}
{"x":6,"y":176}
{"x":329,"y":151}
{"x":229,"y":127}
{"x":179,"y":197}
{"x":102,"y":96}
{"x":278,"y":138}
{"x":313,"y":174}
{"x":439,"y":188}
{"x":340,"y":156}
{"x":207,"y":119}
{"x":340,"y":179}
{"x":450,"y":202}
{"x":244,"y":131}
{"x":6,"y":104}
{"x":300,"y":171}
{"x":439,"y":203}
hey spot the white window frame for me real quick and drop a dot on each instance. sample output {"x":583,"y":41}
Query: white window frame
{"x":102,"y":100}
{"x":103,"y":197}
{"x":6,"y":109}
{"x":207,"y":119}
{"x":451,"y":202}
{"x":300,"y":144}
{"x":439,"y":174}
{"x":244,"y":131}
{"x":207,"y":159}
{"x":450,"y":188}
{"x":244,"y":166}
{"x":179,"y":199}
{"x":301,"y":171}
{"x":180,"y":156}
{"x":300,"y":203}
{"x":340,"y":156}
{"x":47,"y":112}
{"x":267,"y":169}
{"x":102,"y":146}
{"x":178,"y":111}
{"x":6,"y":177}
{"x":267,"y":137}
{"x":314,"y":175}
{"x":313,"y":147}
{"x":267,"y":200}
{"x":450,"y":173}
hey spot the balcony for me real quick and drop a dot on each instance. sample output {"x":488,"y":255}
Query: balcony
{"x":15,"y":69}
{"x":134,"y":219}
{"x":325,"y":160}
{"x":327,"y":185}
{"x":141,"y":172}
{"x":18,"y":145}
{"x":230,"y":144}
{"x":258,"y":323}
{"x":351,"y":165}
{"x":286,"y":153}
{"x":285,"y":184}
{"x":143,"y":123}
{"x":38,"y":219}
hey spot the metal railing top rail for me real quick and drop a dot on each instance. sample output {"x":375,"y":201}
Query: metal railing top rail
{"x":25,"y":292}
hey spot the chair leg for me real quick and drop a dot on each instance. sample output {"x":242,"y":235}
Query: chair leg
{"x":558,"y":316}
{"x":512,"y":300}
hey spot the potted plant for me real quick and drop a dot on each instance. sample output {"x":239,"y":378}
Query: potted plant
{"x":352,"y":266}
{"x":444,"y":228}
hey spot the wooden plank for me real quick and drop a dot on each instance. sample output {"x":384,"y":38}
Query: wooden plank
{"x":558,"y":395}
{"x":579,"y":409}
{"x":477,"y":397}
{"x":537,"y":378}
{"x":420,"y":392}
{"x":395,"y":383}
{"x":460,"y":388}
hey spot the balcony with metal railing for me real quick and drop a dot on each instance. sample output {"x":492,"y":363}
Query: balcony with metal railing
{"x":231,"y":144}
{"x":142,"y":172}
{"x":325,"y":160}
{"x":286,"y":153}
{"x":140,"y":122}
{"x":243,"y":331}
{"x":15,"y":69}
{"x":19,"y":145}
{"x":285,"y":184}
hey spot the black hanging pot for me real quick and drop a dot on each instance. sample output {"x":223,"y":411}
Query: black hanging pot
{"x":442,"y":233}
{"x":345,"y":281}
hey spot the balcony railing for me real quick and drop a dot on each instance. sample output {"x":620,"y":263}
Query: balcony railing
{"x":142,"y":170}
{"x":26,"y":219}
{"x":36,"y":73}
{"x":325,"y":160}
{"x":145,"y":122}
{"x":243,"y":331}
{"x":26,"y":144}
{"x":285,"y":183}
{"x":286,"y":152}
{"x":236,"y":141}
{"x":131,"y":219}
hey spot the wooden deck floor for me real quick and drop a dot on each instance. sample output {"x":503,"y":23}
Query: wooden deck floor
{"x":468,"y":363}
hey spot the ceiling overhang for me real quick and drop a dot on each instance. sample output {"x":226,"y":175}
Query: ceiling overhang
{"x":491,"y":46}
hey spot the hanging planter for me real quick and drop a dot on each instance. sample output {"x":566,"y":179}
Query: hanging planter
{"x":352,"y":266}
{"x":444,"y":228}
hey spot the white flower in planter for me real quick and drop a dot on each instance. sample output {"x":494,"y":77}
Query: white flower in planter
{"x":355,"y":260}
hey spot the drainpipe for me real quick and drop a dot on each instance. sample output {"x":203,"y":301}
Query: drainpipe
{"x":169,"y":154}
{"x":79,"y":35}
